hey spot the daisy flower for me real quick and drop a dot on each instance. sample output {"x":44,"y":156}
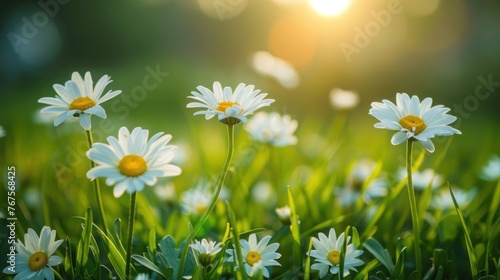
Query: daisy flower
{"x":79,"y":98}
{"x":35,"y":257}
{"x":284,"y":214}
{"x":273,"y":129}
{"x":343,"y":99}
{"x":281,"y":70}
{"x":256,"y":256}
{"x":414,"y":120}
{"x":229,"y":107}
{"x":206,"y":250}
{"x":444,"y":201}
{"x":491,"y":171}
{"x":327,"y":254}
{"x":131,"y":161}
{"x":197,"y":200}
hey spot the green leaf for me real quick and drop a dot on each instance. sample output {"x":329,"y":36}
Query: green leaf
{"x":381,"y":275}
{"x":355,"y":237}
{"x":237,"y":255}
{"x":117,"y":236}
{"x":68,"y":266}
{"x":399,"y":271}
{"x":115,"y":257}
{"x":374,"y":247}
{"x":152,"y":239}
{"x":363,"y":274}
{"x":117,"y":227}
{"x":307,"y":270}
{"x":296,"y":247}
{"x":439,"y":275}
{"x":468,"y":242}
{"x":148,"y":264}
{"x":82,"y":251}
{"x":415,"y":275}
{"x":170,"y":257}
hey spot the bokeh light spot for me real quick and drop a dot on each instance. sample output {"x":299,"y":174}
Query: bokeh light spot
{"x":293,"y":40}
{"x":330,"y":7}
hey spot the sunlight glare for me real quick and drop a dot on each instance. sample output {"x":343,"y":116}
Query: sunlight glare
{"x":330,"y":7}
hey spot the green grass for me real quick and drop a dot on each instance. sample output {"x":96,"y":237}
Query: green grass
{"x":53,"y":190}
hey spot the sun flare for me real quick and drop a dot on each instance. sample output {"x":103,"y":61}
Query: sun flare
{"x":330,"y":7}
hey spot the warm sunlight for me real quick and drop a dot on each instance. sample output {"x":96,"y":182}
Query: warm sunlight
{"x":330,"y":7}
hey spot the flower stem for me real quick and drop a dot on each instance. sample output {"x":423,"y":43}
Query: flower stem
{"x":97,"y":188}
{"x":413,"y":207}
{"x":131,"y":219}
{"x":58,"y":276}
{"x":220,"y":183}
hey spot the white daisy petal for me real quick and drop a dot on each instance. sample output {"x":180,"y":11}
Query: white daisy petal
{"x":230,"y":106}
{"x":413,"y":119}
{"x":44,"y":247}
{"x":324,"y":263}
{"x":77,"y":97}
{"x":257,"y":255}
{"x":399,"y":137}
{"x":85,"y":121}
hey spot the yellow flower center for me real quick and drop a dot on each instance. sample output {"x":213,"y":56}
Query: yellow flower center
{"x":82,"y":104}
{"x":253,"y":257}
{"x":132,"y":165}
{"x":38,"y":261}
{"x":226,"y":104}
{"x":201,"y":208}
{"x":334,"y":257}
{"x":410,"y":121}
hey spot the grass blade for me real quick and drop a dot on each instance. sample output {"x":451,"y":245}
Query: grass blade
{"x":468,"y":242}
{"x":296,"y":247}
{"x":380,"y":253}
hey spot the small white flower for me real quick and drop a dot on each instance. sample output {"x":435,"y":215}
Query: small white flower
{"x":263,"y":193}
{"x":166,"y":192}
{"x":256,"y":256}
{"x":361,"y":171}
{"x":422,"y":179}
{"x":35,"y":257}
{"x":491,"y":171}
{"x":2,"y":132}
{"x":327,"y":254}
{"x":78,"y":98}
{"x":273,"y":129}
{"x":284,"y":214}
{"x":281,"y":70}
{"x":343,"y":99}
{"x":414,"y":120}
{"x":206,"y":250}
{"x":142,"y":276}
{"x":131,"y":161}
{"x":196,"y":200}
{"x":230,"y":108}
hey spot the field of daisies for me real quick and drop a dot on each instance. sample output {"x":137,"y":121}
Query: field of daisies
{"x":249,"y":193}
